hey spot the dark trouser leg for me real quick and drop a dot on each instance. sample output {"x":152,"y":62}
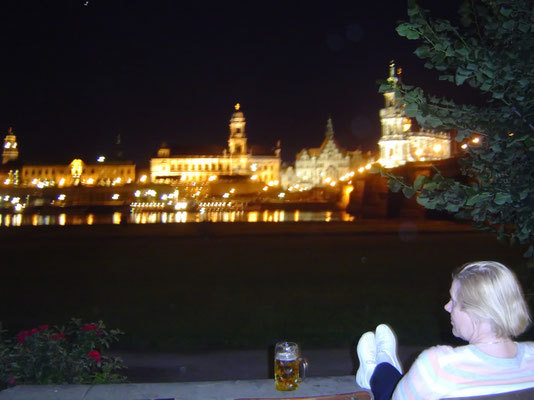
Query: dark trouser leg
{"x":383,"y":381}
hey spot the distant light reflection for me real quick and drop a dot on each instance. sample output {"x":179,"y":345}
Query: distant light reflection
{"x":155,"y":217}
{"x":17,"y":220}
{"x":117,"y":218}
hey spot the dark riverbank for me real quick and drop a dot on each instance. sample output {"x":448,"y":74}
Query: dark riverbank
{"x":209,"y":286}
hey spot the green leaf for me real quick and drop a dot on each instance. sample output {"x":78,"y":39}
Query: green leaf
{"x":394,"y":185}
{"x":460,"y":78}
{"x":509,"y":25}
{"x":505,"y":11}
{"x":419,"y":182}
{"x":433,"y":121}
{"x":408,"y":31}
{"x":411,"y":110}
{"x":523,"y":27}
{"x":462,"y":51}
{"x":384,"y":87}
{"x":502,"y":198}
{"x":408,"y":192}
{"x":472,"y":200}
{"x":422,"y":51}
{"x":529,"y":143}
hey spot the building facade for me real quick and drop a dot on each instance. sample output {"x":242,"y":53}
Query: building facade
{"x":236,"y":161}
{"x":78,"y":173}
{"x":323,"y":165}
{"x":105,"y":173}
{"x":400,"y":142}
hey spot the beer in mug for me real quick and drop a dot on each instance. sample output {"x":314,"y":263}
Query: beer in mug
{"x":289,"y":367}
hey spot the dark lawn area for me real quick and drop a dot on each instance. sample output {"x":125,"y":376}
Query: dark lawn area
{"x":179,"y":292}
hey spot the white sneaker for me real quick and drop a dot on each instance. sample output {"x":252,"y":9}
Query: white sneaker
{"x":386,"y":346}
{"x":366,"y":350}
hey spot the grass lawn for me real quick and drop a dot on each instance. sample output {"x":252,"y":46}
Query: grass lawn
{"x":209,"y":291}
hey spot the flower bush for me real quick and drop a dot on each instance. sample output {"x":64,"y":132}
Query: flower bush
{"x":67,"y":354}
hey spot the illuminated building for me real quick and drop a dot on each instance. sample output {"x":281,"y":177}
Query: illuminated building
{"x":324,"y":165}
{"x":237,"y":161}
{"x":400,"y":142}
{"x":79,"y":173}
{"x":10,"y":150}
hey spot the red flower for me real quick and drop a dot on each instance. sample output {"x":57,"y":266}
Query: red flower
{"x":91,"y":327}
{"x":12,"y":381}
{"x":95,"y":355}
{"x":22,"y":335}
{"x":43,"y":327}
{"x":34,"y":330}
{"x":57,"y":336}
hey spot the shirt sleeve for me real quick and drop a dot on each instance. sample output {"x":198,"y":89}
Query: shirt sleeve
{"x":421,"y":381}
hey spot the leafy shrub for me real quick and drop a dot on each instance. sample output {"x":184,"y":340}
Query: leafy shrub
{"x":57,"y":355}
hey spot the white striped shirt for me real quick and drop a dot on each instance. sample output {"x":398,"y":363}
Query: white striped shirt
{"x":445,"y":371}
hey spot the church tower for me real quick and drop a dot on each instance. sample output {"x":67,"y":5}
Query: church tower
{"x":237,"y":142}
{"x":10,"y":150}
{"x":400,"y":142}
{"x":394,"y":144}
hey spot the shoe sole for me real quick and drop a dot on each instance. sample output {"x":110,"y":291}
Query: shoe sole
{"x":360,"y":379}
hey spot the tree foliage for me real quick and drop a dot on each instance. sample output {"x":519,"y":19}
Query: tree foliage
{"x":490,"y":49}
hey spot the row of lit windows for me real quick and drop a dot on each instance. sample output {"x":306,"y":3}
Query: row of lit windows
{"x":67,"y":171}
{"x":210,"y":167}
{"x":199,"y":167}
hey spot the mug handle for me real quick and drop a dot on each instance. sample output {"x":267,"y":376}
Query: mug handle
{"x":303,"y":369}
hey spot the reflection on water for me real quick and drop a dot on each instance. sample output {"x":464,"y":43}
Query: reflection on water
{"x":173,"y":217}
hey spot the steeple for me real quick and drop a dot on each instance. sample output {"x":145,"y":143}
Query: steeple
{"x":389,"y":96}
{"x":10,"y":150}
{"x":393,"y":80}
{"x":237,"y":142}
{"x":329,"y":128}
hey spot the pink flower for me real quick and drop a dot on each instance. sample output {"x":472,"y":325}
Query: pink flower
{"x":12,"y":381}
{"x":34,"y":330}
{"x":57,"y":336}
{"x":43,"y":327}
{"x":95,"y":355}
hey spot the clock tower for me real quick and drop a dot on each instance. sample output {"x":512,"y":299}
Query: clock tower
{"x":237,"y":142}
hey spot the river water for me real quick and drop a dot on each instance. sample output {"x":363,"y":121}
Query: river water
{"x":162,"y":217}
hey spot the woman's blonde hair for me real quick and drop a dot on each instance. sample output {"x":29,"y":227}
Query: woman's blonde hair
{"x":490,"y":291}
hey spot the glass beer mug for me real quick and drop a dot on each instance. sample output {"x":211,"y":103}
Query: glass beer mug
{"x":289,"y":367}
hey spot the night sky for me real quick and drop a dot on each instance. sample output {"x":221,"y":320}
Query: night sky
{"x":76,"y":74}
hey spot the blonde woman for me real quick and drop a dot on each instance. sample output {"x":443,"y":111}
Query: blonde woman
{"x":487,"y":310}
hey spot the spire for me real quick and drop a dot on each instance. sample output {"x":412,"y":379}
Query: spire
{"x":329,"y":128}
{"x":392,"y":76}
{"x":118,"y":154}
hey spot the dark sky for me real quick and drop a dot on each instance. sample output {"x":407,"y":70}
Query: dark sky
{"x":75,"y":74}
